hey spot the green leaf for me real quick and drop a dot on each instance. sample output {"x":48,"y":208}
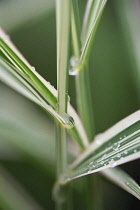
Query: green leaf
{"x":13,"y":196}
{"x":118,"y":145}
{"x":63,"y":9}
{"x":16,"y":72}
{"x":75,"y":29}
{"x":123,"y":180}
{"x":82,"y":78}
{"x":20,"y":82}
{"x":92,"y":17}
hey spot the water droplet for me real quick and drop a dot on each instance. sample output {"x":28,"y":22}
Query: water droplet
{"x":91,"y":166}
{"x":127,"y":183}
{"x":73,"y":72}
{"x":125,"y":152}
{"x":74,"y":61}
{"x":120,"y":138}
{"x":112,"y":163}
{"x":102,"y":162}
{"x":73,"y":66}
{"x":124,"y":136}
{"x":135,"y":150}
{"x":116,"y":146}
{"x":118,"y":155}
{"x":69,"y":121}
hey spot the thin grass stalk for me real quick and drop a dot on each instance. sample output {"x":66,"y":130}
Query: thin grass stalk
{"x":84,"y":101}
{"x":63,"y":27}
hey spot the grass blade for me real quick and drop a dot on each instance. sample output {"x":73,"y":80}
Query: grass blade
{"x":63,"y":11}
{"x":18,"y":64}
{"x":123,"y":180}
{"x":118,"y":145}
{"x":82,"y":78}
{"x":63,"y":27}
{"x":18,"y":82}
{"x":14,"y":57}
{"x":75,"y":29}
{"x":93,"y":14}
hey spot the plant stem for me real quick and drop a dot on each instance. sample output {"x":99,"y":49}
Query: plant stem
{"x":84,"y":101}
{"x":63,"y":29}
{"x":83,"y":93}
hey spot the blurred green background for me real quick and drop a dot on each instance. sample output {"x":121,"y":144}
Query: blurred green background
{"x":27,"y":135}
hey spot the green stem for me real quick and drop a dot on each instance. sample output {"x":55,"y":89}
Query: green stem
{"x":61,"y":146}
{"x":63,"y":29}
{"x":84,"y":101}
{"x":83,"y":93}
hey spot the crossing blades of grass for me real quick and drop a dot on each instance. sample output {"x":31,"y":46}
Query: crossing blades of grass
{"x":118,"y":145}
{"x":16,"y":72}
{"x":20,"y":82}
{"x":82,"y":77}
{"x":93,"y":14}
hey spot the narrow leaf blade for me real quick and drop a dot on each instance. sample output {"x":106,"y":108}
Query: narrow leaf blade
{"x":93,"y":14}
{"x":18,"y":74}
{"x":118,"y":145}
{"x":123,"y":180}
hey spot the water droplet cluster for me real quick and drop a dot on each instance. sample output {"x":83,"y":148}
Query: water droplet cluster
{"x":107,"y":160}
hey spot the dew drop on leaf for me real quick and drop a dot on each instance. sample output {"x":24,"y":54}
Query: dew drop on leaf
{"x":116,"y":146}
{"x":73,"y":66}
{"x":135,"y":150}
{"x":72,"y":72}
{"x":118,"y":155}
{"x":125,"y":152}
{"x":69,"y":121}
{"x":73,"y":61}
{"x":112,"y":163}
{"x":127,"y":183}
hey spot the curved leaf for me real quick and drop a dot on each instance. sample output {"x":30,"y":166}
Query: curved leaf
{"x":118,"y":145}
{"x":22,"y":77}
{"x":93,"y":14}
